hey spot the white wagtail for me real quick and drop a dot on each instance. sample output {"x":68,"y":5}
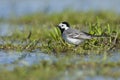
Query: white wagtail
{"x":73,"y":36}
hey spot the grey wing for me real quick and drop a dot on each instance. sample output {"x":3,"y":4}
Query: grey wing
{"x":79,"y":35}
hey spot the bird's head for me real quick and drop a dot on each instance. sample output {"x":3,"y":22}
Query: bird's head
{"x":63,"y":26}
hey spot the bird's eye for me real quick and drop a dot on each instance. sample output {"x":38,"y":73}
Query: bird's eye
{"x":62,"y":25}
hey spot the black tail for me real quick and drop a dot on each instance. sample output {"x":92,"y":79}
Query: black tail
{"x":96,"y":35}
{"x":102,"y":36}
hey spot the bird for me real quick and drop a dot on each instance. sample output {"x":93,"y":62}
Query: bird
{"x":73,"y":36}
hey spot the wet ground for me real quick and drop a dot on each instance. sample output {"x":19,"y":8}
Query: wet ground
{"x":14,"y":58}
{"x":9,"y":60}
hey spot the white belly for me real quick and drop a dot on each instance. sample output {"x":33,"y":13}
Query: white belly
{"x":73,"y":41}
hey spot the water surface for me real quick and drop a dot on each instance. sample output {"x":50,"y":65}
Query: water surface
{"x":10,"y":8}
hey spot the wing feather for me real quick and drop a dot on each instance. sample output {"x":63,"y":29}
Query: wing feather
{"x":78,"y":35}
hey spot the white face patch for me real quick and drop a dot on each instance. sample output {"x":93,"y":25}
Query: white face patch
{"x":63,"y":26}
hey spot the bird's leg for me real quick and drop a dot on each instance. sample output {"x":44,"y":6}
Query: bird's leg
{"x":76,"y":46}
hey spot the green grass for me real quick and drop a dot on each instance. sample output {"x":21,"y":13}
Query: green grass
{"x":44,"y":32}
{"x":51,"y":71}
{"x":40,"y":33}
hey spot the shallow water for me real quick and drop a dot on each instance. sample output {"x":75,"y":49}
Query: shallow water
{"x":10,"y":59}
{"x":80,"y":75}
{"x":10,"y":8}
{"x":7,"y":29}
{"x":30,"y":58}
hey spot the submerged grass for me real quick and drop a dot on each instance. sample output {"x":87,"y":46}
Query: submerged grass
{"x":62,"y":69}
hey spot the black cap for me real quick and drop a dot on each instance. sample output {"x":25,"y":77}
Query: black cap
{"x":66,"y":23}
